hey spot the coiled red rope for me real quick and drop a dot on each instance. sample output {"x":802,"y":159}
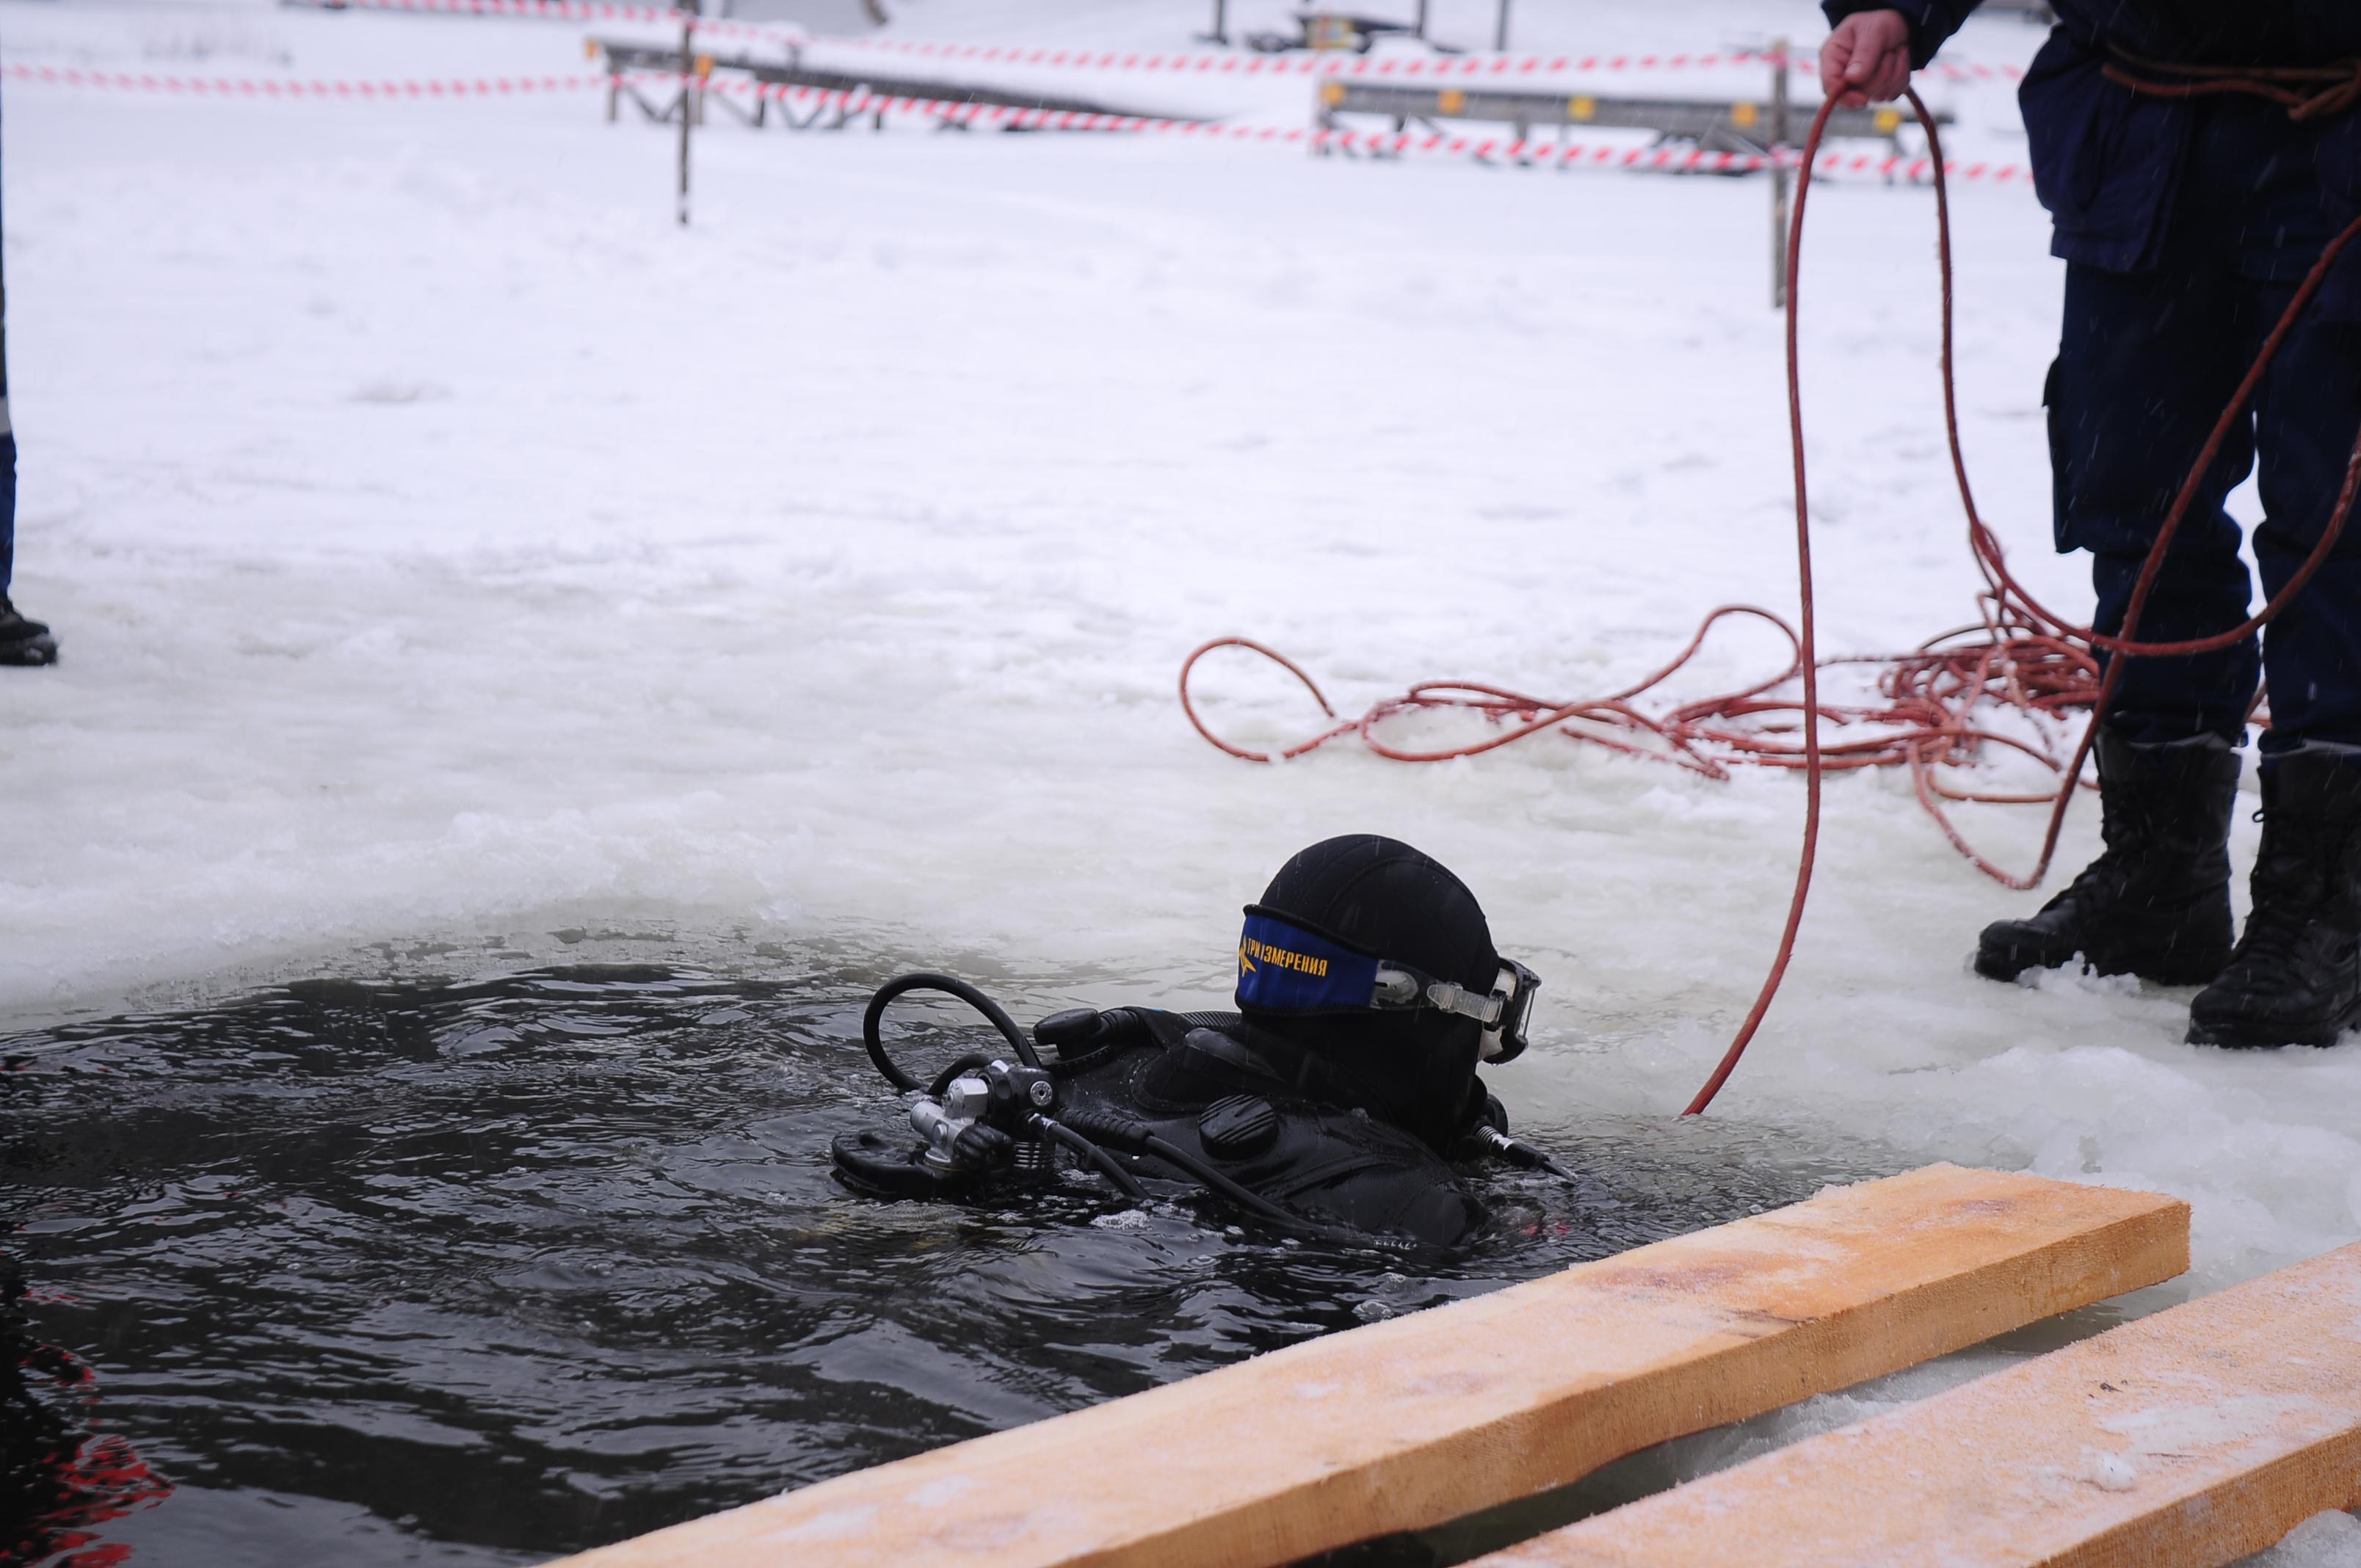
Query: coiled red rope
{"x":2019,"y":656}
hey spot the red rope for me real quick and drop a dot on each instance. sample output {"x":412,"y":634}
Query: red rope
{"x":2019,"y":656}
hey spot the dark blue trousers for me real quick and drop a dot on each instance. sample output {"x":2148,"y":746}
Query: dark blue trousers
{"x":7,"y":498}
{"x":2146,"y":364}
{"x":7,"y":455}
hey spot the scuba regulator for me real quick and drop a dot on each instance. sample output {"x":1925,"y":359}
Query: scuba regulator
{"x":983,"y":1117}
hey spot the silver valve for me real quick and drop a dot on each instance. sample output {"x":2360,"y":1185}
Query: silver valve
{"x":979,"y":1112}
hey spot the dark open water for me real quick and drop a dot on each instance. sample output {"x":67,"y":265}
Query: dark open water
{"x":485,"y":1272}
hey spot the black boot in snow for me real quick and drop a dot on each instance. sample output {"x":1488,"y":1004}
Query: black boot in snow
{"x":2296,"y":976}
{"x":24,"y":642}
{"x":2156,"y":904}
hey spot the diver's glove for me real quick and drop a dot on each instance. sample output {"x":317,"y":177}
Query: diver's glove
{"x":980,"y":1147}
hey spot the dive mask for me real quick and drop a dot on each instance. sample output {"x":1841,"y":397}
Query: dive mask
{"x":1287,"y":968}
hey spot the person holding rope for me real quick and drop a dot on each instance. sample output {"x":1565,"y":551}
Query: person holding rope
{"x":2196,"y":158}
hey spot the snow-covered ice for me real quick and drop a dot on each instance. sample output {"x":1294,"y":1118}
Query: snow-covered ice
{"x":446,"y":548}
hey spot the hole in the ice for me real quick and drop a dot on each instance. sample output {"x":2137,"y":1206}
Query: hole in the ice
{"x":527,"y":1263}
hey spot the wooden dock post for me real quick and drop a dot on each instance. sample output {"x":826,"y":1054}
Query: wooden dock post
{"x":1425,"y":1418}
{"x":2186,"y":1440}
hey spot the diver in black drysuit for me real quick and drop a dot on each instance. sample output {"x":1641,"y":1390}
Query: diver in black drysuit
{"x":1337,"y":1096}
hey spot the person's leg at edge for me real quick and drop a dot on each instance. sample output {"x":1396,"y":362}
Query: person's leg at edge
{"x":2296,"y":976}
{"x":22,"y":641}
{"x":2146,"y":362}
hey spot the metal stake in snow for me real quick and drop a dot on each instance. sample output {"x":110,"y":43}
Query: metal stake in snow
{"x":1778,"y":139}
{"x":694,"y":68}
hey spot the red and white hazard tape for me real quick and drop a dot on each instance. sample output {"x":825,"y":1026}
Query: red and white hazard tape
{"x":1453,"y":67}
{"x":296,"y":87}
{"x":1577,"y":155}
{"x":569,"y":11}
{"x":1526,"y":151}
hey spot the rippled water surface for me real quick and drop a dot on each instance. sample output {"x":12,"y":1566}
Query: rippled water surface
{"x":483,"y":1272}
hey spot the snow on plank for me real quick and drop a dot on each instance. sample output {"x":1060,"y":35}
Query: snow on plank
{"x":2185,"y":1439}
{"x":1421,"y":1418}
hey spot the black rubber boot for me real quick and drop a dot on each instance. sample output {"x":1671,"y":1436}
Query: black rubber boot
{"x":24,"y":642}
{"x":2156,"y":904}
{"x":2296,"y":976}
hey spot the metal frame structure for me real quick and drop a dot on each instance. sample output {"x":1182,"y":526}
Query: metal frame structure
{"x":622,"y":56}
{"x":1719,"y":125}
{"x":1763,"y":127}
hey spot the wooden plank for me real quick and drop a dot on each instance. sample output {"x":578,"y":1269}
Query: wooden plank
{"x":2186,"y":1440}
{"x":1421,"y":1418}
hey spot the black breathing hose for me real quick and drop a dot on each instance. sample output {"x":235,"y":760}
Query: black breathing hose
{"x":1109,"y":1127}
{"x":1107,"y":1163}
{"x":951,"y":986}
{"x":1519,"y":1152}
{"x":1172,"y":1154}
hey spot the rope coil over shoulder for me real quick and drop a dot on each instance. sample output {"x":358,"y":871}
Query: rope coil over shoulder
{"x":2307,"y":92}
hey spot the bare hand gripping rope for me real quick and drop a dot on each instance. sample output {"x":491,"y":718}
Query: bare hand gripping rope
{"x":2020,"y":654}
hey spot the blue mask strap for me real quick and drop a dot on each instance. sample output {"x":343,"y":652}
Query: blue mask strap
{"x":1282,"y":968}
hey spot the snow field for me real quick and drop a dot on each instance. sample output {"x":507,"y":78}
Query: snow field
{"x":446,"y":549}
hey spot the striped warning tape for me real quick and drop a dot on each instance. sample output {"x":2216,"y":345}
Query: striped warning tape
{"x":298,"y":87}
{"x":1382,"y":66}
{"x":1191,"y":61}
{"x":567,"y":11}
{"x":1529,"y":152}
